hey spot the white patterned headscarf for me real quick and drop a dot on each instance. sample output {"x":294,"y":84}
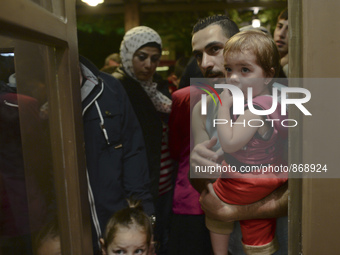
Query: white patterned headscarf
{"x":133,"y":40}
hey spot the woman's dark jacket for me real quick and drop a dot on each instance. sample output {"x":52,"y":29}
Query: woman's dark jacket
{"x":150,"y":121}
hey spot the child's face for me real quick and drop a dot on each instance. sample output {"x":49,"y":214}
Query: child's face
{"x":50,"y":247}
{"x":281,"y":36}
{"x":242,"y":70}
{"x":129,"y":241}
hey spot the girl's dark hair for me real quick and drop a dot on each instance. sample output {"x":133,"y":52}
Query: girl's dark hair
{"x":152,"y":44}
{"x":133,"y":215}
{"x":283,"y":15}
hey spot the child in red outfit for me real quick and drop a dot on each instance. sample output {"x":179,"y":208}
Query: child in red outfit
{"x":251,"y":61}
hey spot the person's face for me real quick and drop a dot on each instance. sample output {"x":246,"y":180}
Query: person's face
{"x":129,"y":241}
{"x":50,"y":247}
{"x":144,"y":62}
{"x":207,"y":47}
{"x":242,"y":70}
{"x":113,"y":63}
{"x":281,"y":36}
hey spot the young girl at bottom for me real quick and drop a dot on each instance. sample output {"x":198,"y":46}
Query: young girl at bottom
{"x":129,"y":231}
{"x":251,"y":61}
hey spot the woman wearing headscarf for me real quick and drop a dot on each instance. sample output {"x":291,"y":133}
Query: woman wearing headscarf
{"x":140,"y":52}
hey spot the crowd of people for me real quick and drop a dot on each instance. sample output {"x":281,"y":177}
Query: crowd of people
{"x":142,"y":142}
{"x":241,"y":220}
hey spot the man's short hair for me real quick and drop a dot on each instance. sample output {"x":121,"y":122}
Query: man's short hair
{"x":283,"y":15}
{"x":228,"y":26}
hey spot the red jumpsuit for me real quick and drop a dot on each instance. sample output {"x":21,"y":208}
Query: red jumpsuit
{"x":245,"y":188}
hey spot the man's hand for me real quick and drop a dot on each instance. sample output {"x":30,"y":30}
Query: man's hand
{"x":215,"y":208}
{"x":273,"y":206}
{"x":203,"y":156}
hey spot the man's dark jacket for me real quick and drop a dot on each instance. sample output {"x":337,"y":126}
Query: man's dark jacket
{"x":115,"y":152}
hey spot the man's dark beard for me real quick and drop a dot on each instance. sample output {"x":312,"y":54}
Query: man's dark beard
{"x":211,"y":73}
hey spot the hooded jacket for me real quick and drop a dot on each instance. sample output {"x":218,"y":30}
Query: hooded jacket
{"x":116,"y":159}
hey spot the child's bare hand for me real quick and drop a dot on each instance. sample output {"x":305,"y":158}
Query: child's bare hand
{"x":226,"y":98}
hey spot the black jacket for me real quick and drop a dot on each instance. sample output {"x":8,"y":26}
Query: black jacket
{"x":115,"y":152}
{"x":151,"y":124}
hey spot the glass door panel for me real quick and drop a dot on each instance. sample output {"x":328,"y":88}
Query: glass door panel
{"x":27,"y":194}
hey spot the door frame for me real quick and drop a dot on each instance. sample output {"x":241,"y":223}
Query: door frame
{"x":29,"y":21}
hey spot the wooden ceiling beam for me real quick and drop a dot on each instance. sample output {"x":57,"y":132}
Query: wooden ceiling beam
{"x":207,"y":6}
{"x":177,"y":7}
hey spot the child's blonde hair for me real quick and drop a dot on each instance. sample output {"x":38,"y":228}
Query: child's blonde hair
{"x":263,"y":47}
{"x":133,"y":215}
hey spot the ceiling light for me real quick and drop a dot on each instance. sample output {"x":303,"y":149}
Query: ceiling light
{"x":256,"y":23}
{"x":256,"y":10}
{"x":93,"y":2}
